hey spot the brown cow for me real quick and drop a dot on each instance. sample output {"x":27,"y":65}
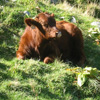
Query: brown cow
{"x":70,"y":43}
{"x":36,"y":42}
{"x":47,"y":39}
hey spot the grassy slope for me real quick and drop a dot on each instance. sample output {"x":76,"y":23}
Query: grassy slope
{"x":32,"y":79}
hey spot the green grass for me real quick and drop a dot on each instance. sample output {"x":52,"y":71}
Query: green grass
{"x":32,"y":79}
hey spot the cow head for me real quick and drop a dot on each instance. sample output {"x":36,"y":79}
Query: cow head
{"x":46,"y":24}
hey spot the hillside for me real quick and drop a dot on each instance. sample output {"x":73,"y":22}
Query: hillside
{"x":33,"y":80}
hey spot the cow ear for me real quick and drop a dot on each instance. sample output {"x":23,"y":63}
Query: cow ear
{"x":32,"y":23}
{"x":52,"y":15}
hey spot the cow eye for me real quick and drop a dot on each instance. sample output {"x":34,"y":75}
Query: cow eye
{"x":46,"y":25}
{"x":37,"y":16}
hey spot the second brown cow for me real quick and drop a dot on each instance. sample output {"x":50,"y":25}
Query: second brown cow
{"x":48,"y":39}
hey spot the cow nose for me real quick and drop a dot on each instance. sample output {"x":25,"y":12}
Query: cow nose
{"x":58,"y":34}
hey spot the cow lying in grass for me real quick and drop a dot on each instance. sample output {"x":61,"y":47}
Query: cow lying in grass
{"x":47,"y":39}
{"x":36,"y":42}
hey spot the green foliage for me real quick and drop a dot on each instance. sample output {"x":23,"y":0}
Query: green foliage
{"x":82,"y":1}
{"x":87,"y":72}
{"x":94,"y":33}
{"x":31,"y":79}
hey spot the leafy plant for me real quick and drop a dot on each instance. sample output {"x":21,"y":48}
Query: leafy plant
{"x":85,"y":74}
{"x":94,"y":33}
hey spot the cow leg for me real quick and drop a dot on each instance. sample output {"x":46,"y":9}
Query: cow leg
{"x":49,"y":59}
{"x":78,"y":57}
{"x":20,"y":55}
{"x":82,"y":59}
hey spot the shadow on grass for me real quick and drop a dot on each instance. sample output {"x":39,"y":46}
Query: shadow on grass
{"x":9,"y":3}
{"x":4,"y":96}
{"x":40,"y":90}
{"x":7,"y":43}
{"x":92,"y":52}
{"x":49,"y":95}
{"x":9,"y":36}
{"x":4,"y":72}
{"x":3,"y":2}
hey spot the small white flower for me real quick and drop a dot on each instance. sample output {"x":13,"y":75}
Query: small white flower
{"x":34,"y":17}
{"x":26,"y":13}
{"x":94,"y":32}
{"x":95,"y":23}
{"x":2,"y":6}
{"x":73,"y":20}
{"x":89,"y":35}
{"x":90,"y":30}
{"x":62,"y":17}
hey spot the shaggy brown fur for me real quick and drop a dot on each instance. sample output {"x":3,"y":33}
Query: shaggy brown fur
{"x":36,"y":41}
{"x":47,"y":39}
